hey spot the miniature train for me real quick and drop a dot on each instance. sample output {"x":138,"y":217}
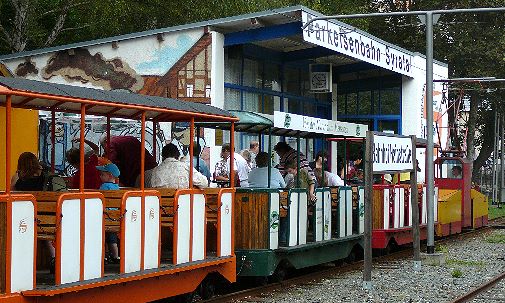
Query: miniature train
{"x":174,"y":243}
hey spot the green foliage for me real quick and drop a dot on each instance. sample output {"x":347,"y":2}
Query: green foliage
{"x":496,"y":238}
{"x":495,"y":212}
{"x":465,"y":262}
{"x":441,"y":248}
{"x":457,"y":273}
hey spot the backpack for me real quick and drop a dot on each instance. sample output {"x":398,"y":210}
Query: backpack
{"x":54,"y":182}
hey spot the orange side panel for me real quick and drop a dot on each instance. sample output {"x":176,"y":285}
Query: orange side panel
{"x":25,"y":137}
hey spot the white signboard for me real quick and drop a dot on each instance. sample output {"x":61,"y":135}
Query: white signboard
{"x":391,"y":153}
{"x":318,"y":125}
{"x":341,"y":38}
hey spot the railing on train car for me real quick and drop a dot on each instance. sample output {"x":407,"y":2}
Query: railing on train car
{"x":77,"y":223}
{"x":272,"y":218}
{"x":392,"y":207}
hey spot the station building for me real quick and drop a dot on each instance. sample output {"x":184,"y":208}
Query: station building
{"x":261,"y":62}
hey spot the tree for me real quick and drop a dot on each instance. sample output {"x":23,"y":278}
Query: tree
{"x":472,"y":44}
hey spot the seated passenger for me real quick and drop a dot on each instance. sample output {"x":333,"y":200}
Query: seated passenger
{"x":109,"y":174}
{"x":29,"y":176}
{"x":222,"y":170}
{"x":258,"y":177}
{"x":305,"y":180}
{"x":457,"y":172}
{"x":330,"y":179}
{"x":173,"y":173}
{"x":91,"y":174}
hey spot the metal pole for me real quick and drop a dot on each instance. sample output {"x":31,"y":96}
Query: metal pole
{"x":495,"y":155}
{"x":269,"y":156}
{"x":298,"y":160}
{"x":191,"y":144}
{"x":367,"y":269}
{"x":430,"y":247}
{"x":8,"y":138}
{"x":142,"y":150}
{"x":415,"y":208}
{"x":502,"y":159}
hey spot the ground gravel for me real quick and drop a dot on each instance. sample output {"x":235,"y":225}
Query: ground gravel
{"x":475,"y":258}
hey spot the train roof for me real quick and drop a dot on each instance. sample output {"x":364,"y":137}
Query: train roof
{"x":258,"y":123}
{"x":68,"y":98}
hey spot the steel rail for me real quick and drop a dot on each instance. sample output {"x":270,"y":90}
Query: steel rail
{"x":318,"y":275}
{"x":479,"y":290}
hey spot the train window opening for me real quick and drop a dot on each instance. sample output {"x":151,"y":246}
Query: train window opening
{"x":450,"y":169}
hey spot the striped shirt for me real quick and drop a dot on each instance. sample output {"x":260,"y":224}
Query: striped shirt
{"x":292,"y":155}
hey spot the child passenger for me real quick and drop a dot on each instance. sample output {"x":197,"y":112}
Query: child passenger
{"x":109,"y":174}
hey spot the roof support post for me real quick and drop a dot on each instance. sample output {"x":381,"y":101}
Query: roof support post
{"x":190,"y":152}
{"x":142,"y":149}
{"x":53,"y":139}
{"x":81,"y":147}
{"x":8,"y":110}
{"x":232,"y":155}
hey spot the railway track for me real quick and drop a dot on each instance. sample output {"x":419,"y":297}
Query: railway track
{"x":379,"y":262}
{"x":480,"y":293}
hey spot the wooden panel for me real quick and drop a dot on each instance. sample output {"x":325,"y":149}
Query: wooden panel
{"x":3,"y":245}
{"x":378,"y":209}
{"x":252,"y":220}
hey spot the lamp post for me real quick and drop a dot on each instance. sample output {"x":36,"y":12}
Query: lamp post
{"x":429,"y":15}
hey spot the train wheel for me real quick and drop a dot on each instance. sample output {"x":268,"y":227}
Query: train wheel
{"x":351,"y":258}
{"x":207,"y":288}
{"x":279,"y":274}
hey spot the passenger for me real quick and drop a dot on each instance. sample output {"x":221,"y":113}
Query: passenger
{"x":91,"y":174}
{"x":108,"y":174}
{"x":241,"y":168}
{"x":173,"y":173}
{"x":254,"y":149}
{"x":247,"y":157}
{"x":287,"y":154}
{"x":457,"y":172}
{"x":354,"y":165}
{"x":124,"y":151}
{"x":359,"y":178}
{"x":258,"y":177}
{"x":330,"y":179}
{"x":318,"y":163}
{"x":305,"y":180}
{"x":198,"y":162}
{"x":29,"y":176}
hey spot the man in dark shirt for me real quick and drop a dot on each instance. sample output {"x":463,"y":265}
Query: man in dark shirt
{"x":124,"y":151}
{"x":286,"y":154}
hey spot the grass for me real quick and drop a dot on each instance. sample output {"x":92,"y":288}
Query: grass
{"x":496,"y":238}
{"x":495,"y":212}
{"x":465,"y":262}
{"x":457,"y":273}
{"x":441,"y":249}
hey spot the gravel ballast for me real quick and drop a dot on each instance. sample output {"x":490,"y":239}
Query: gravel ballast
{"x":470,"y":262}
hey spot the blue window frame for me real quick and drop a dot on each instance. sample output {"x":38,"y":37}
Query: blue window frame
{"x":376,"y":102}
{"x":257,"y":79}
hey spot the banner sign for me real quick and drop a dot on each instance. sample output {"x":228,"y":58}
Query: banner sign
{"x":392,"y":153}
{"x":318,"y":125}
{"x":346,"y":40}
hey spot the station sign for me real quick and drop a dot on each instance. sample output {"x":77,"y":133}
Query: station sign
{"x":318,"y":125}
{"x":392,"y":153}
{"x":347,"y":40}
